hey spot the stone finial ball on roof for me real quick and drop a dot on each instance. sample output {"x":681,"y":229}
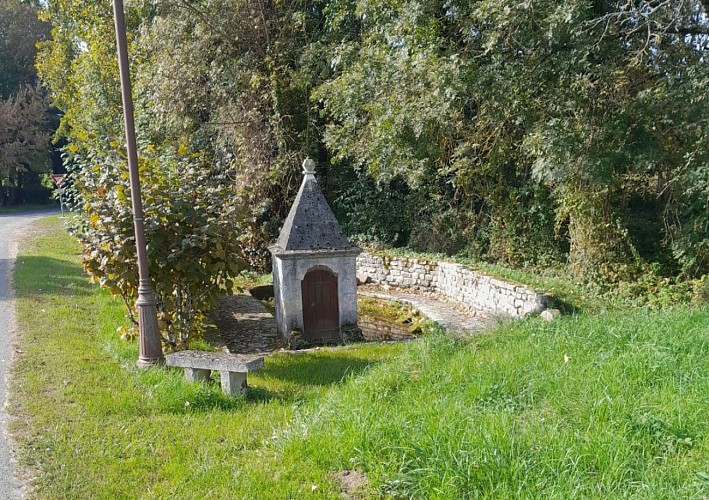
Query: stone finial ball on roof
{"x":308,"y":166}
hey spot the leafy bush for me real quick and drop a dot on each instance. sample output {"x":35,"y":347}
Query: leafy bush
{"x":700,"y":290}
{"x":191,"y":226}
{"x":35,"y":189}
{"x":373,"y":211}
{"x":523,"y":229}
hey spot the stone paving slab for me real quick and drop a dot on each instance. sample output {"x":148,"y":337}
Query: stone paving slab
{"x":436,"y":309}
{"x":245,"y":326}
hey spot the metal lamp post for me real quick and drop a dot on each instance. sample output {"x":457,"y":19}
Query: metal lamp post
{"x":150,"y":341}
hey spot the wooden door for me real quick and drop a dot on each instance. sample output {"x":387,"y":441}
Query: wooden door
{"x":321,"y":310}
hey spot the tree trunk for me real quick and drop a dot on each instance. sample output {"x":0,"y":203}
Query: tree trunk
{"x":16,"y":190}
{"x":3,"y":193}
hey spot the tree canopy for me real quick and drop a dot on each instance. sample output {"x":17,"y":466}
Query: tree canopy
{"x":20,"y":31}
{"x":24,"y":122}
{"x":527,"y":133}
{"x":23,"y":133}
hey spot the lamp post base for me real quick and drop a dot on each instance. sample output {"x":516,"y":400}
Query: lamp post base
{"x":150,"y":338}
{"x":150,"y":362}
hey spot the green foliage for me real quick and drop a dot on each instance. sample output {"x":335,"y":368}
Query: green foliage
{"x":21,"y":30}
{"x":24,"y":124}
{"x":526,"y":133}
{"x":191,"y":221}
{"x":393,"y":97}
{"x":586,"y":100}
{"x":79,"y":66}
{"x":374,"y":211}
{"x":24,"y":142}
{"x":523,"y":232}
{"x":238,"y":89}
{"x":224,"y":78}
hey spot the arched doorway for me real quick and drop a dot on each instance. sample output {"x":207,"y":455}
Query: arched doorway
{"x":321,"y":310}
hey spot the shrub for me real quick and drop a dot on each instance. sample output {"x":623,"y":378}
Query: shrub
{"x":191,"y":226}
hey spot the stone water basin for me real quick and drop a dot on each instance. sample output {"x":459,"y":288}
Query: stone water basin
{"x":383,"y":320}
{"x":380,"y":320}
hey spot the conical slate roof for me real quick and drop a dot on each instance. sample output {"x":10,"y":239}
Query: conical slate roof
{"x":310,"y":224}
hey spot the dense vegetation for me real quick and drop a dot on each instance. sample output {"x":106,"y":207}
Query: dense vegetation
{"x":532,"y":133}
{"x":25,"y":121}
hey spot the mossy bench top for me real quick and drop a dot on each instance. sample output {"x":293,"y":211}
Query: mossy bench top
{"x":221,"y":361}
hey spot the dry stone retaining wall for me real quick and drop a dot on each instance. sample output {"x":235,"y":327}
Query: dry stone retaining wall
{"x":474,"y":291}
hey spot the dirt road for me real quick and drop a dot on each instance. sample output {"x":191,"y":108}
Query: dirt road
{"x":11,"y":227}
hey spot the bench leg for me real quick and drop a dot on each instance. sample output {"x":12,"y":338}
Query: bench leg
{"x":234,"y":383}
{"x":197,"y":374}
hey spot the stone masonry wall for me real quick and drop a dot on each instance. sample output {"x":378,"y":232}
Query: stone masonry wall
{"x":471,"y":289}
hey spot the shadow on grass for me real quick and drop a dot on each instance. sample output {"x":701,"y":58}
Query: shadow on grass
{"x":316,"y":369}
{"x":304,"y":370}
{"x":48,"y":276}
{"x":566,"y":307}
{"x":199,"y":397}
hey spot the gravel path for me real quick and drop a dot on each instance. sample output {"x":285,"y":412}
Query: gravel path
{"x":11,"y":226}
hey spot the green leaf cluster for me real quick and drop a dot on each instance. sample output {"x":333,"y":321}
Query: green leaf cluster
{"x":536,"y":130}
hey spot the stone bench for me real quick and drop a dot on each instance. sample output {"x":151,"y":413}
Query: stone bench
{"x":233,"y":368}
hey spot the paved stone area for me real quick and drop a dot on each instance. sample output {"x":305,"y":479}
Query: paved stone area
{"x":436,"y":309}
{"x":245,"y":326}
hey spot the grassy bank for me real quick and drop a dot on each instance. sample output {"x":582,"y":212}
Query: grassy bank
{"x":612,"y":405}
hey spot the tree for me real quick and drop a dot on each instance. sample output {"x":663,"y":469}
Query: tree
{"x":519,"y":111}
{"x":20,"y":31}
{"x":24,"y":140}
{"x":532,"y":132}
{"x":235,"y":83}
{"x":193,"y":207}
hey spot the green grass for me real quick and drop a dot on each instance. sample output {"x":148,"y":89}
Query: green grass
{"x":100,"y":427}
{"x":608,"y":406}
{"x":28,"y":208}
{"x":612,"y":405}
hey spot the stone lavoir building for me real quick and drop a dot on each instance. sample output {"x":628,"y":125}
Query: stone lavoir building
{"x":314,"y":272}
